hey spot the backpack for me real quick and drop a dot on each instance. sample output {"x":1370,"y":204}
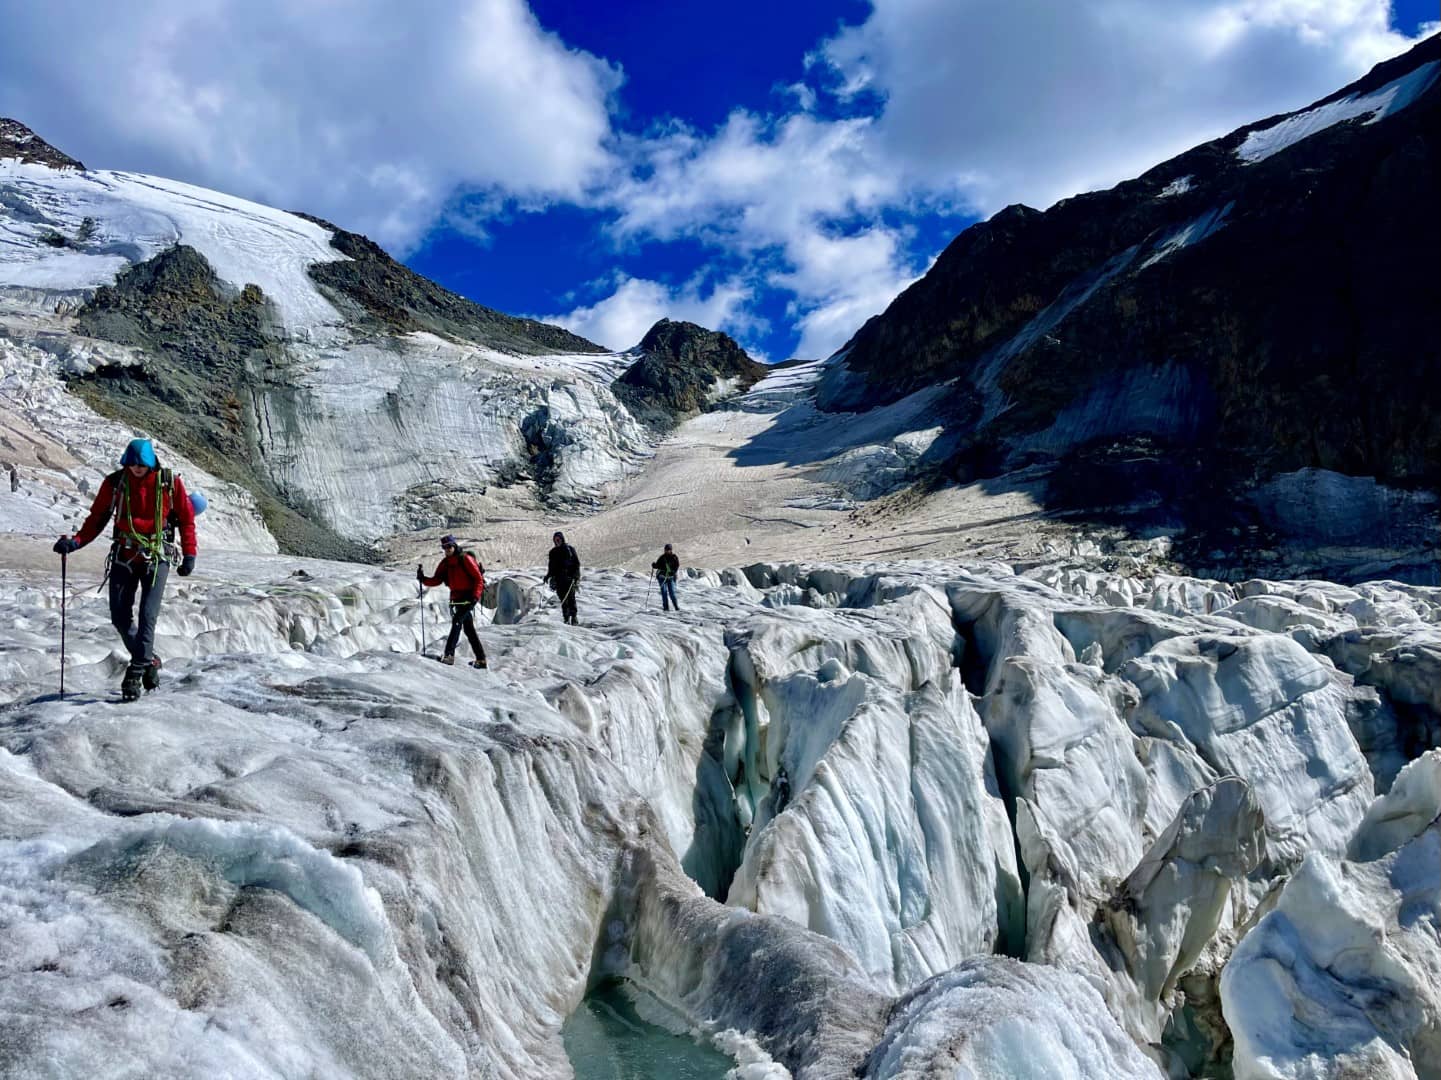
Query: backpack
{"x":479,"y":567}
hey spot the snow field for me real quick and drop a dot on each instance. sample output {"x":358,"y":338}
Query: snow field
{"x":135,"y":217}
{"x":315,"y":851}
{"x":1375,"y":106}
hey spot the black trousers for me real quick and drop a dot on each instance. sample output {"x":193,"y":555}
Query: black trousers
{"x":462,"y":617}
{"x":126,"y":579}
{"x":566,"y":591}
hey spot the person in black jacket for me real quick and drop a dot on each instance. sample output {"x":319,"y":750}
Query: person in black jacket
{"x":563,"y":574}
{"x":666,"y":568}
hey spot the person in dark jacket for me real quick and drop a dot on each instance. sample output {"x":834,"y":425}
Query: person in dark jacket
{"x":666,"y":568}
{"x":466,"y":578}
{"x":148,"y":504}
{"x":563,"y":573}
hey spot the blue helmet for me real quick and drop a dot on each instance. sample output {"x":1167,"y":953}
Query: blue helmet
{"x":198,"y":503}
{"x":140,"y":452}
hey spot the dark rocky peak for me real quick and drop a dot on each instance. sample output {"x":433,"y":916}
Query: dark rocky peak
{"x":683,"y":369}
{"x":374,"y":287}
{"x":695,"y":346}
{"x":1260,"y":305}
{"x":18,"y":141}
{"x":996,"y":276}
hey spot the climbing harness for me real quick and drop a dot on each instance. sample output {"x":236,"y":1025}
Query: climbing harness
{"x":131,"y":545}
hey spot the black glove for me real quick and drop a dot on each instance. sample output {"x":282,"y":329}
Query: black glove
{"x":420,"y":573}
{"x":187,"y":566}
{"x":65,"y":545}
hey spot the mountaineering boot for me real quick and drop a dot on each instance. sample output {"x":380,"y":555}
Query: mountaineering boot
{"x":479,"y":663}
{"x":151,"y":679}
{"x":130,"y":685}
{"x":448,"y":658}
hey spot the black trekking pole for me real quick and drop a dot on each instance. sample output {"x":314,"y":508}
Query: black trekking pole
{"x":64,"y":590}
{"x":420,"y":593}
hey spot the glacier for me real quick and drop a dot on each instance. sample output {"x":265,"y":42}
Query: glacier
{"x":375,"y":433}
{"x":909,"y":788}
{"x":890,"y":819}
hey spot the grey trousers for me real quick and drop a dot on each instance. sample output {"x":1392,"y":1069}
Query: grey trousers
{"x":149,"y":580}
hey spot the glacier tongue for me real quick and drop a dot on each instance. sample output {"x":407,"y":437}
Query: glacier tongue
{"x":415,"y":432}
{"x":798,"y":830}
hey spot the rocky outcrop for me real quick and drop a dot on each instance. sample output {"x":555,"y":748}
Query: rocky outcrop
{"x":371,"y":285}
{"x":682,"y":370}
{"x":208,"y":350}
{"x":245,"y":339}
{"x":1259,"y":305}
{"x":18,"y":141}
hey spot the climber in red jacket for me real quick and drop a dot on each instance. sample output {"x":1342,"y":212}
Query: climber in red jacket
{"x":148,"y":504}
{"x":466,"y":578}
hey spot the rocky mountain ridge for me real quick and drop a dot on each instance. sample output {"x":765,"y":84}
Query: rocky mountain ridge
{"x":1262,"y":304}
{"x":683,"y":369}
{"x":19,"y":142}
{"x":400,"y":301}
{"x":353,"y":399}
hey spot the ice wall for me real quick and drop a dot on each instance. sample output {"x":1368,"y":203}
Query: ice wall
{"x":384,"y":437}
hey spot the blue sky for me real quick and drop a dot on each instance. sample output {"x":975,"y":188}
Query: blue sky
{"x":777,"y":170}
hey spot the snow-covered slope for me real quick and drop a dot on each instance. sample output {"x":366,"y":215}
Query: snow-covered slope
{"x":790,"y":818}
{"x":110,"y":220}
{"x":1374,"y":106}
{"x":365,"y":431}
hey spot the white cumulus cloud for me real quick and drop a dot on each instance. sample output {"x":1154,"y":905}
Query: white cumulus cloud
{"x":976,"y":104}
{"x":371,"y":113}
{"x":621,"y":319}
{"x":1031,"y":101}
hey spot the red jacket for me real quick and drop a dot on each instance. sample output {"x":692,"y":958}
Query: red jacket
{"x":133,"y":503}
{"x":462,"y":573}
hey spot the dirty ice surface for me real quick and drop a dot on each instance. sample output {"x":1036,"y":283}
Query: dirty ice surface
{"x":819,"y":820}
